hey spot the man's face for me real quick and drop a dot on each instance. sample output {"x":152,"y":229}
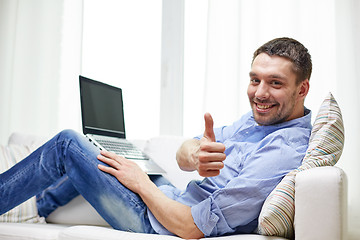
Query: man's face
{"x":273,"y":94}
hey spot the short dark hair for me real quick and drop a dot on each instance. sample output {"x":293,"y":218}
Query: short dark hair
{"x":292,"y":50}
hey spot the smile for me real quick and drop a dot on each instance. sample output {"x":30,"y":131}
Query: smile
{"x":263,"y":108}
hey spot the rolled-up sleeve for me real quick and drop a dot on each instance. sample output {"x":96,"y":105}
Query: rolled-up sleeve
{"x":230,"y":210}
{"x":206,"y":216}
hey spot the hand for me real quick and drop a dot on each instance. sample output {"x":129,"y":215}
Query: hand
{"x":179,"y":222}
{"x":127,"y":172}
{"x":210,"y":155}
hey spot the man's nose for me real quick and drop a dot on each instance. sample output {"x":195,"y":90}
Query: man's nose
{"x":262,"y":91}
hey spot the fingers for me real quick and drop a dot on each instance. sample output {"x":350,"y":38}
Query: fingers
{"x":206,"y":157}
{"x":212,"y":147}
{"x":111,"y":159}
{"x":210,"y":163}
{"x":209,"y":173}
{"x":210,"y":168}
{"x":211,"y":154}
{"x":108,"y":154}
{"x":106,"y":169}
{"x":209,"y":127}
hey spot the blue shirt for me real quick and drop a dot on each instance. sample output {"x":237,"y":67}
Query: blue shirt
{"x":258,"y":157}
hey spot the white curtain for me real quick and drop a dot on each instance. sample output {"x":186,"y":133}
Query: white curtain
{"x":347,"y":82}
{"x":29,"y":65}
{"x":37,"y":60}
{"x":45,"y":45}
{"x":220,"y":38}
{"x":219,"y":46}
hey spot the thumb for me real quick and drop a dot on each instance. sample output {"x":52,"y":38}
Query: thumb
{"x":209,"y":127}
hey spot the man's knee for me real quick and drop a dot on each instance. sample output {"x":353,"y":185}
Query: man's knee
{"x":69,"y":134}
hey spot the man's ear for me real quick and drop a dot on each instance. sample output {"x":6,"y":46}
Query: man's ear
{"x":304,"y":88}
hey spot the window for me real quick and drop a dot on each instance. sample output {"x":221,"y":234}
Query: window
{"x":122,"y":47}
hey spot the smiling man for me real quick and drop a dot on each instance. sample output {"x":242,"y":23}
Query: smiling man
{"x":242,"y":163}
{"x":260,"y":148}
{"x":279,"y":82}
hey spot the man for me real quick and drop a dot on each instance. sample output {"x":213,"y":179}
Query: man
{"x":241,"y":163}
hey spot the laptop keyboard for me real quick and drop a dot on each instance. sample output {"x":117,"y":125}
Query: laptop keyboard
{"x":124,"y":149}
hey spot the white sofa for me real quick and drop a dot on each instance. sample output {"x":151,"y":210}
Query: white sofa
{"x":320,"y":203}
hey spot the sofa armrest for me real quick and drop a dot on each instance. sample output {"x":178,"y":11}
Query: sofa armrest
{"x":321,"y":204}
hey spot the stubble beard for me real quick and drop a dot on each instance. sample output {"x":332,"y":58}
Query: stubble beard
{"x":281,"y":115}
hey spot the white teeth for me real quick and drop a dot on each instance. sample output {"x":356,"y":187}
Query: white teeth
{"x":263,"y":106}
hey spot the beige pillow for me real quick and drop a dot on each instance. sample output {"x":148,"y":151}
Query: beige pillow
{"x":325,"y":148}
{"x":27,"y":211}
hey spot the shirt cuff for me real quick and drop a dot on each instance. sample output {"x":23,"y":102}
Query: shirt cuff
{"x":204,"y":219}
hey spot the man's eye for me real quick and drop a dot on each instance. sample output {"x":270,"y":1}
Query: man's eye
{"x":276,"y":83}
{"x":255,"y":81}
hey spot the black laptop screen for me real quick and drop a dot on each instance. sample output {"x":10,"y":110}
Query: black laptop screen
{"x":101,"y":108}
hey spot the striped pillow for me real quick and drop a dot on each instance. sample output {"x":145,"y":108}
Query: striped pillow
{"x":27,"y":211}
{"x":325,"y":148}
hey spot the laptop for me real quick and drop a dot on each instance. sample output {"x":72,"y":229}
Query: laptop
{"x":103,"y":122}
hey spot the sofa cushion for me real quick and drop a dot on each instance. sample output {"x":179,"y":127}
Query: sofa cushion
{"x":100,"y":233}
{"x":325,"y":147}
{"x":28,"y":231}
{"x":77,"y":212}
{"x":27,"y":211}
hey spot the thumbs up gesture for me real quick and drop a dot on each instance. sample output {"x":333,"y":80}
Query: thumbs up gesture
{"x":210,"y":155}
{"x":209,"y":128}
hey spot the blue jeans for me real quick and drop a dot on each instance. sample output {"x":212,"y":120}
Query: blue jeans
{"x":66,"y":166}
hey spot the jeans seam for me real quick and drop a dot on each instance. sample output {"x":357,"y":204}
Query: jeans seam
{"x":17,"y":175}
{"x":42,"y":195}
